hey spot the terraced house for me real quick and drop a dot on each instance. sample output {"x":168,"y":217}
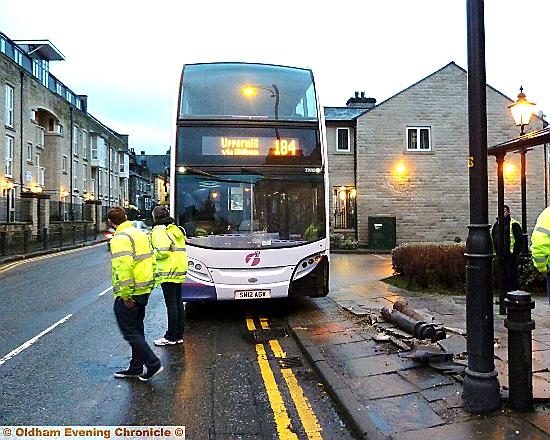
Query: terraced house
{"x":58,"y":163}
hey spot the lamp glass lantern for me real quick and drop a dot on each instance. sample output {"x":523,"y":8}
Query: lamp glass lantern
{"x":522,"y":110}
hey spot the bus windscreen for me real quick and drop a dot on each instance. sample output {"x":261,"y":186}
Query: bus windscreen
{"x":237,"y":91}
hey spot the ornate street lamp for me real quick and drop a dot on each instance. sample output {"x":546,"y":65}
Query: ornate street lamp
{"x":522,"y":110}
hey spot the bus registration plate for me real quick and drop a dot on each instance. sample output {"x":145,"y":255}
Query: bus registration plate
{"x":252,"y":294}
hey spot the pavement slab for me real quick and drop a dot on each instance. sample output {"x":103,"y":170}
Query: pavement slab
{"x":382,"y":385}
{"x":403,"y":413}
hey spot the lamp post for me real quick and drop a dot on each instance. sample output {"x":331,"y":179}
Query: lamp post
{"x":481,"y":386}
{"x":522,"y":111}
{"x":250,"y":90}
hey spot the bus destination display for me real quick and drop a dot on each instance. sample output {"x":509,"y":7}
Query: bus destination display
{"x":250,"y":146}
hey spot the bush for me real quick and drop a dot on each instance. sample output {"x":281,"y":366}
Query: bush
{"x":443,"y":265}
{"x":340,"y":241}
{"x":431,"y":265}
{"x":530,"y":279}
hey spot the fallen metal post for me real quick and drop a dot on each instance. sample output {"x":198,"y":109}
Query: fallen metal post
{"x":403,"y":307}
{"x":419,"y":329}
{"x":520,"y":352}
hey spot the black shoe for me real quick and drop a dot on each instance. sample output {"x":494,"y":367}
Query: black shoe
{"x":151,"y":372}
{"x":128,"y":373}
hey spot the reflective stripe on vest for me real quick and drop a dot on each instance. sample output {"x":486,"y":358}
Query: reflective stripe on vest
{"x":543,"y":230}
{"x":170,"y":274}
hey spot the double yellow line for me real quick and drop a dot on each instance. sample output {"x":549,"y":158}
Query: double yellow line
{"x":282,"y":420}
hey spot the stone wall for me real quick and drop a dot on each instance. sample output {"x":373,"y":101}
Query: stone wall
{"x":431,"y":199}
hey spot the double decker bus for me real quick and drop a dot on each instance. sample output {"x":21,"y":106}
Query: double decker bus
{"x":249,"y":182}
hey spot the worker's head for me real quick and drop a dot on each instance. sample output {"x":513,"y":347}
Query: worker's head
{"x":159,"y":213}
{"x":116,"y":216}
{"x":506,"y":211}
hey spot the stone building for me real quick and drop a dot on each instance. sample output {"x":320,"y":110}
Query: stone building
{"x":409,"y":168}
{"x":57,"y":161}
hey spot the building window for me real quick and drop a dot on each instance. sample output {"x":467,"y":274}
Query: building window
{"x":39,"y":171}
{"x":342,"y":139}
{"x":8,"y":157}
{"x":40,"y":136}
{"x":84,"y":145}
{"x":75,"y":140}
{"x":29,"y":152}
{"x":84,"y":178}
{"x":40,"y":70}
{"x":18,"y":56}
{"x":9,"y":105}
{"x":75,"y":175}
{"x":58,"y":88}
{"x":2,"y":45}
{"x":64,"y":164}
{"x":419,"y":139}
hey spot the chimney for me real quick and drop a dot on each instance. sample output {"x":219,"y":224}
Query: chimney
{"x":361,"y":101}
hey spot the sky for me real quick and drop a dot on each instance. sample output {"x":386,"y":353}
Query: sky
{"x":127,"y":55}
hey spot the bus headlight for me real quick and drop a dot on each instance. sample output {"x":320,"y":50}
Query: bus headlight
{"x":306,"y":265}
{"x":197,"y":270}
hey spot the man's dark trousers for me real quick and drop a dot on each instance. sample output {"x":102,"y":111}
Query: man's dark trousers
{"x":510,"y":272}
{"x":175,"y":311}
{"x":130,"y":323}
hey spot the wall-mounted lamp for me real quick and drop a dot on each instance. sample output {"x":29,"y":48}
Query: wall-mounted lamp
{"x":400,"y":169}
{"x":6,"y":186}
{"x":509,"y":170}
{"x":522,"y":110}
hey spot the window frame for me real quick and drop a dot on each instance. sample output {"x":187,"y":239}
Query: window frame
{"x":75,"y":140}
{"x":8,"y":156}
{"x":348,"y":148}
{"x":9,"y":105}
{"x":30,"y":151}
{"x":418,"y":129}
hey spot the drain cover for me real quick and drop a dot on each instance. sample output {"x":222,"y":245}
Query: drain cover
{"x":290,"y":362}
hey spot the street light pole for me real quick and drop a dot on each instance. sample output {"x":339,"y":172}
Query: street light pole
{"x":481,"y":387}
{"x":525,"y":241}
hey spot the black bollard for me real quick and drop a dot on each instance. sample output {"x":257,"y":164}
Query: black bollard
{"x":520,"y":353}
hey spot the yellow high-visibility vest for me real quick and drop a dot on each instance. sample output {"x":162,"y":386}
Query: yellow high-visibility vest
{"x":168,"y":244}
{"x":540,"y":241}
{"x":132,"y":262}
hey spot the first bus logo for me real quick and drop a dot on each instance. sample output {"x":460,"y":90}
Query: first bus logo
{"x":253,"y":259}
